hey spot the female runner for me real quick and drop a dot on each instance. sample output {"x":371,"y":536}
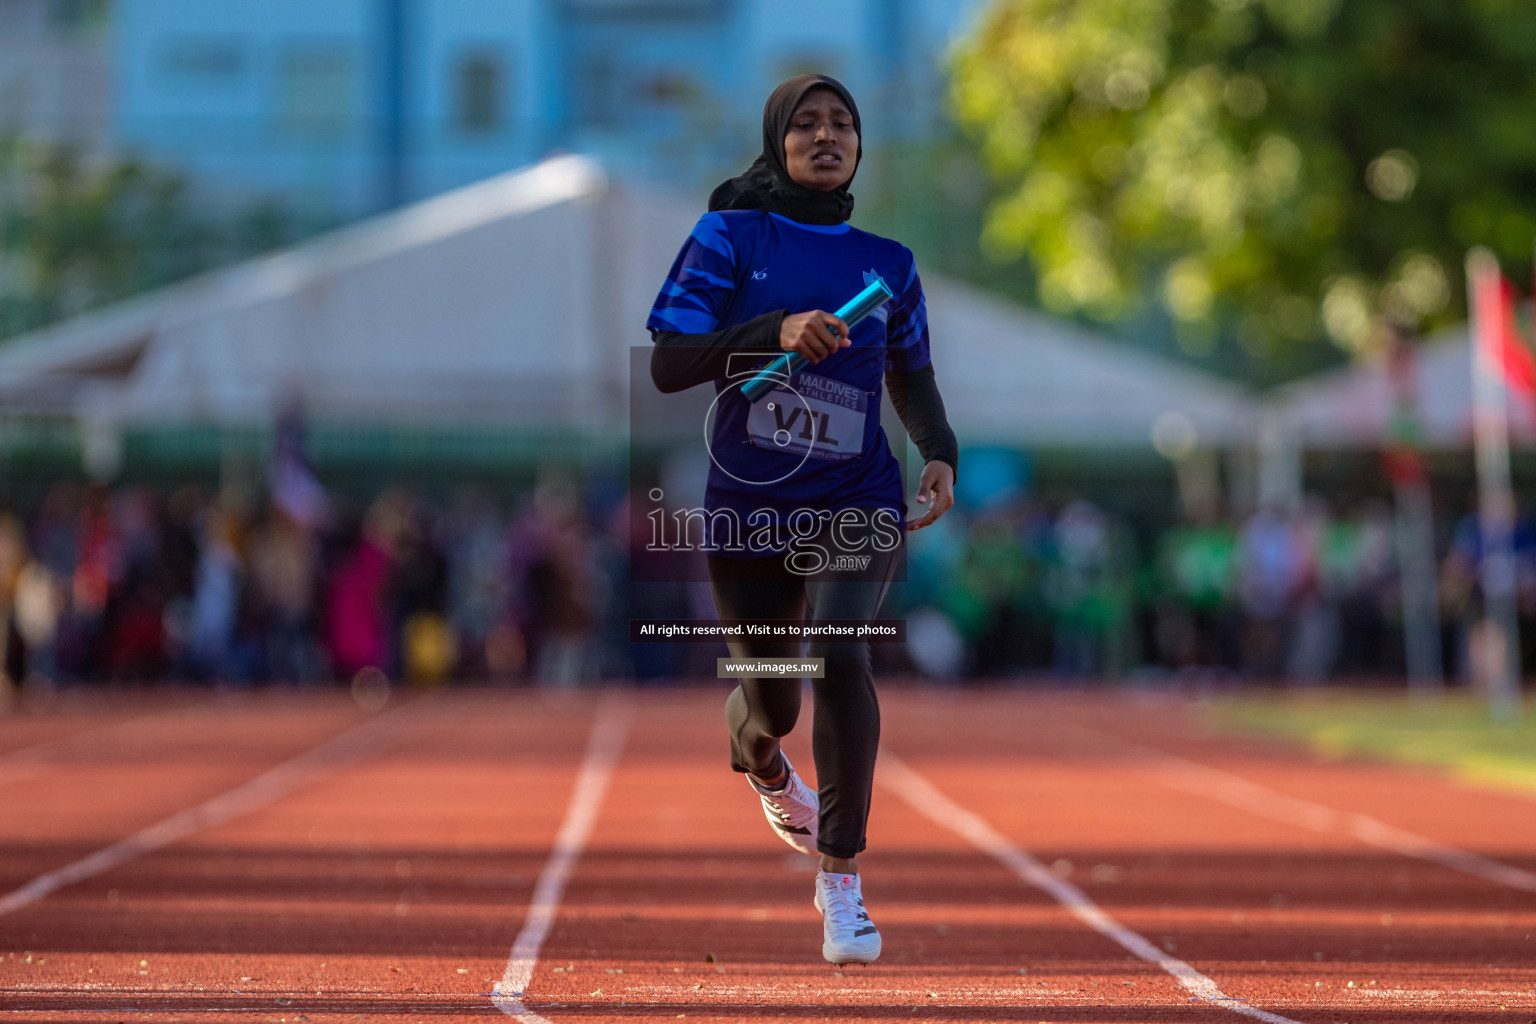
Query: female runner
{"x":805,"y":475}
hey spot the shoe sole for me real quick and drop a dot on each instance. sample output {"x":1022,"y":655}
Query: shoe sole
{"x":863,"y":958}
{"x":845,"y":958}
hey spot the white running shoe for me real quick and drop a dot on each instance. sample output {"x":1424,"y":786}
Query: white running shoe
{"x":792,"y":809}
{"x":848,"y":936}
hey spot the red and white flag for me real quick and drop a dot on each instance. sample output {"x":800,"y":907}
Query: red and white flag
{"x":1497,"y":331}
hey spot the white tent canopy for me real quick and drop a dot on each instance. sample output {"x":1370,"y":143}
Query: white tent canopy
{"x":513,"y":303}
{"x":1009,"y":375}
{"x":474,"y":307}
{"x":1353,"y":407}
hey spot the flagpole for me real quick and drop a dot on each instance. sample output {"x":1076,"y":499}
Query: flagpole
{"x":1496,"y":648}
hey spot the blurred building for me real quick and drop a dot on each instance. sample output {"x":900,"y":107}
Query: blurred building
{"x":350,"y":106}
{"x":56,"y":72}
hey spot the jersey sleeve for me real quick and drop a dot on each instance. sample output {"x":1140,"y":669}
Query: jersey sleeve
{"x":703,"y":278}
{"x":906,"y":330}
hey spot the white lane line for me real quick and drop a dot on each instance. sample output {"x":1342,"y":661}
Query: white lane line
{"x":924,"y":798}
{"x":609,"y":731}
{"x":335,"y":753}
{"x":1235,"y":791}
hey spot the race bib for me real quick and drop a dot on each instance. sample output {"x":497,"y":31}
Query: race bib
{"x":825,"y":420}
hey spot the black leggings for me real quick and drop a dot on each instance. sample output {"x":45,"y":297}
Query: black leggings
{"x":846,"y":729}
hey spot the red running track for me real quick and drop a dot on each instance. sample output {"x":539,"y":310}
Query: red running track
{"x":1033,"y":857}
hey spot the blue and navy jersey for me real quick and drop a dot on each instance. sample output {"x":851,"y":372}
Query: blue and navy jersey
{"x":797,"y":449}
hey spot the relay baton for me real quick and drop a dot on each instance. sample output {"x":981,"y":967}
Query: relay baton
{"x":874,"y":295}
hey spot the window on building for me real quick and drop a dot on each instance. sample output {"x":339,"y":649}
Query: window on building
{"x":609,"y":93}
{"x":203,"y":62}
{"x":80,"y":15}
{"x":597,"y":99}
{"x":479,"y":93}
{"x":672,"y":89}
{"x":317,"y":92}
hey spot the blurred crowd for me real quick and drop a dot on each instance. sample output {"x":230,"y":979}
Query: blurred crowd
{"x":1301,"y":596}
{"x":133,"y":584}
{"x":1071,"y":590}
{"x":139,"y":584}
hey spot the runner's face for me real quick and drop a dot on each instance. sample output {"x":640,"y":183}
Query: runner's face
{"x":821,"y":148}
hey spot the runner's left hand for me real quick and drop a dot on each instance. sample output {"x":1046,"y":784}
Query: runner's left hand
{"x":936,"y":489}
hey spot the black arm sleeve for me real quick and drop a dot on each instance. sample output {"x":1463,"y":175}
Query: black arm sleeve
{"x":915,"y":397}
{"x":680,"y":361}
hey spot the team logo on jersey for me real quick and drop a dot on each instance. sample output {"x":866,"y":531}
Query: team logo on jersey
{"x":882,"y":312}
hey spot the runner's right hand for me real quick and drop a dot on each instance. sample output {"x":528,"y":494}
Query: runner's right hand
{"x":814,"y":335}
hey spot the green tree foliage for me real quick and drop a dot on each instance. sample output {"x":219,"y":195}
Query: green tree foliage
{"x":1286,"y":170}
{"x":77,"y":235}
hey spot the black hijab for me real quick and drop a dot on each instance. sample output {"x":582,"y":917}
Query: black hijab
{"x":766,"y":185}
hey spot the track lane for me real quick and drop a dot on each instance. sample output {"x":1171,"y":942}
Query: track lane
{"x":308,"y":901}
{"x":43,"y":720}
{"x":923,"y":797}
{"x":148,"y":770}
{"x":1443,"y":808}
{"x":609,"y":732}
{"x":1290,"y":917}
{"x":685,"y":903}
{"x":394,"y":886}
{"x":33,"y":743}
